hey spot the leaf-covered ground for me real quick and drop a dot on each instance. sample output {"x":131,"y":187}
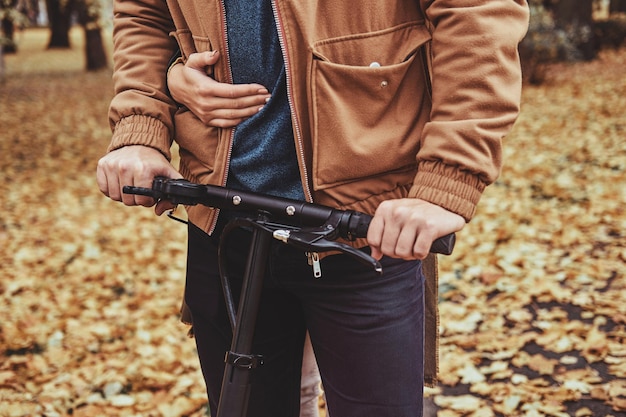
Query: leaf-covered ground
{"x":533,"y":301}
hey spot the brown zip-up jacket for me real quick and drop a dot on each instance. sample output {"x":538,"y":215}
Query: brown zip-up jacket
{"x":367,"y":124}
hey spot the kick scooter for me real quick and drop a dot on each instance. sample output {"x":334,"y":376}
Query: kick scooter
{"x":311,"y":227}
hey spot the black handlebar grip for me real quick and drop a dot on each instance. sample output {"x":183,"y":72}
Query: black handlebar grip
{"x":359,"y":223}
{"x":444,"y":245}
{"x":149,"y":192}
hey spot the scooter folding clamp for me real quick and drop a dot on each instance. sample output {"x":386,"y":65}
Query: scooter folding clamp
{"x":243,"y":361}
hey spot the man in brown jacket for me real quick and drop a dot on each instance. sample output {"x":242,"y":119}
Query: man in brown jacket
{"x":394,"y":108}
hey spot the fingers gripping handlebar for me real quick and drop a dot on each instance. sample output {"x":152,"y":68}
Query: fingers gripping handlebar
{"x":313,"y":227}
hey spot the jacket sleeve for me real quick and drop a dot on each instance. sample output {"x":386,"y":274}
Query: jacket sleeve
{"x":476,"y":84}
{"x":141,"y":112}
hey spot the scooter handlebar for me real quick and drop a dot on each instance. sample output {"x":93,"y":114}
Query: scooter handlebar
{"x":349,"y":224}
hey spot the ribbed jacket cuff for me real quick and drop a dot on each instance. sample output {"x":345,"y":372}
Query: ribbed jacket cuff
{"x":142,"y":130}
{"x":447,"y":186}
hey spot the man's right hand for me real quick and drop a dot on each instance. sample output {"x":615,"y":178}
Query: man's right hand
{"x":137,"y":166}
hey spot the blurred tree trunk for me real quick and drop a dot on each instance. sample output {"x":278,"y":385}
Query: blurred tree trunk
{"x":60,"y":18}
{"x":617,"y":6}
{"x":7,"y":26}
{"x":575,"y":17}
{"x":1,"y":63}
{"x":89,"y":18}
{"x":8,"y":30}
{"x":94,"y":49}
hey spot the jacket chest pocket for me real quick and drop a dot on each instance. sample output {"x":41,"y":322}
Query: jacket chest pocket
{"x":368,"y":103}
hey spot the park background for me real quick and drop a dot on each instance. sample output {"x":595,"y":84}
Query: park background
{"x":532,"y":302}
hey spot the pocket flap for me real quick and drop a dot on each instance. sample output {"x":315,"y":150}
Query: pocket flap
{"x":385,"y":47}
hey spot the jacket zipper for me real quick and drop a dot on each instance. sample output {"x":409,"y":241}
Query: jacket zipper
{"x":313,"y":257}
{"x":231,"y":136}
{"x":298,"y":131}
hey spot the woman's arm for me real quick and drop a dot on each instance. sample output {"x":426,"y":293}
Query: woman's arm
{"x":216,"y":104}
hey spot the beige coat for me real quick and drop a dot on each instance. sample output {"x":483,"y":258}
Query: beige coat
{"x":363,"y":133}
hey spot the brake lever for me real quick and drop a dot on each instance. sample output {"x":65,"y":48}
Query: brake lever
{"x":321,"y":239}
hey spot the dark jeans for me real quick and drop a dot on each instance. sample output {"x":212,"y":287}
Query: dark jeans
{"x":366,"y":329}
